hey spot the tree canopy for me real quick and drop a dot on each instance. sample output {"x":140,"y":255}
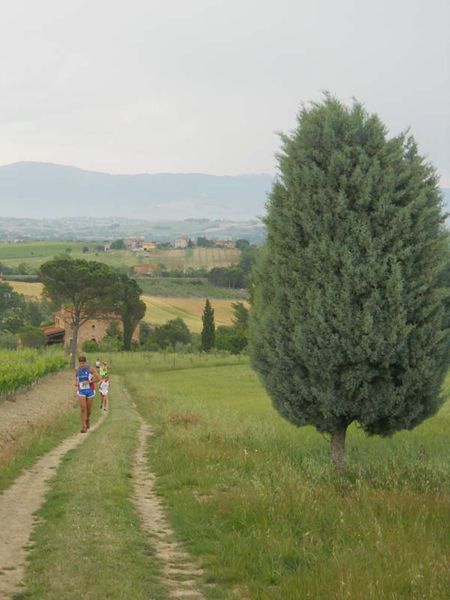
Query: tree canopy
{"x":84,"y":288}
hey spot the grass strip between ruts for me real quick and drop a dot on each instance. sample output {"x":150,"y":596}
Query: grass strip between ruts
{"x":89,"y":543}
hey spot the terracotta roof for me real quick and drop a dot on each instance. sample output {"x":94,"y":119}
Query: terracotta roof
{"x":52,"y":330}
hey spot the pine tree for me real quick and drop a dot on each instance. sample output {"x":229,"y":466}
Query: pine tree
{"x":350,"y":317}
{"x":84,"y":288}
{"x":209,"y":328}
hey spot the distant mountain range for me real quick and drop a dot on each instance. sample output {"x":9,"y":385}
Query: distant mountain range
{"x":45,"y":190}
{"x":50,"y":191}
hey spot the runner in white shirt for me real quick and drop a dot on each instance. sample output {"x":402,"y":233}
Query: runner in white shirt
{"x":103,"y":388}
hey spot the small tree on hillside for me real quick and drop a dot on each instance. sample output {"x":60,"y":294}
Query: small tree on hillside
{"x":84,"y":288}
{"x":209,"y":328}
{"x":118,"y":245}
{"x":240,"y":316}
{"x":12,"y":309}
{"x":349,"y":321}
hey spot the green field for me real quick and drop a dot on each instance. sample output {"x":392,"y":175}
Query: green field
{"x":33,"y":254}
{"x":252,"y":498}
{"x":186,"y":288}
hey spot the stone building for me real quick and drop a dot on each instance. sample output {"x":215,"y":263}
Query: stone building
{"x":134,"y":243}
{"x":93,"y":329}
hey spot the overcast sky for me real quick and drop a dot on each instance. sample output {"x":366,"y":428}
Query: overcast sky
{"x":205,"y":85}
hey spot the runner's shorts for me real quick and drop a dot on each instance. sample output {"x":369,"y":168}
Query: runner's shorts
{"x":86,"y":393}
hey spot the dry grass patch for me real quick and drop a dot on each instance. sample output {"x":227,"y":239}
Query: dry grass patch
{"x":163,"y":309}
{"x":29,"y":290}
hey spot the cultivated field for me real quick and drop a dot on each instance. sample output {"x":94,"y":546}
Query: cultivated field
{"x":33,"y":254}
{"x":194,"y":258}
{"x":29,"y":290}
{"x":160,"y":310}
{"x":21,"y":368}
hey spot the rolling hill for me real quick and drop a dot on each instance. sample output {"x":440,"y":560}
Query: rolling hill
{"x":45,"y":190}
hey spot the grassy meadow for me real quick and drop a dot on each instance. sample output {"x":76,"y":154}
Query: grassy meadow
{"x":250,"y":496}
{"x":184,"y":287}
{"x":256,"y":502}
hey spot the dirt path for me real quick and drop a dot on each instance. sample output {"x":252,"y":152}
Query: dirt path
{"x":180,"y":574}
{"x":42,"y":404}
{"x":17,"y":507}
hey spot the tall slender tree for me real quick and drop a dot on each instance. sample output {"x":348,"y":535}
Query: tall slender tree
{"x":209,"y":328}
{"x":130,"y":307}
{"x":85,"y":289}
{"x":350,"y":321}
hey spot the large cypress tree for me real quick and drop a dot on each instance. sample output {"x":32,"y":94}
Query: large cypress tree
{"x":350,"y":318}
{"x":209,"y":329}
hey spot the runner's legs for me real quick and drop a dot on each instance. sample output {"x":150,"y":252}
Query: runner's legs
{"x":83,"y":410}
{"x":88,"y":410}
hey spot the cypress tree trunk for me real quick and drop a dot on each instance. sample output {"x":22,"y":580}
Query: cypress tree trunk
{"x":338,"y":450}
{"x":127,"y":334}
{"x":74,"y":344}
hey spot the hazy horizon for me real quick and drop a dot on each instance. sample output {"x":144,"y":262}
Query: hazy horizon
{"x":46,"y":162}
{"x":204,"y":86}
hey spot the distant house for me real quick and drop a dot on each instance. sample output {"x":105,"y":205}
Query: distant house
{"x":144,"y":269}
{"x":93,"y":329}
{"x":149,"y":246}
{"x":225,"y":244}
{"x":181,"y":242}
{"x":134,"y":243}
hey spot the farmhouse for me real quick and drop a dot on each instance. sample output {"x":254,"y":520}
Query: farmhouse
{"x":144,"y":269}
{"x":181,"y":242}
{"x":92,"y":330}
{"x":149,"y":246}
{"x":134,"y":243}
{"x":225,"y":244}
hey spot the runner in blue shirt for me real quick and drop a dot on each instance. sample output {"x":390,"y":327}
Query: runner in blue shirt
{"x":85,"y":378}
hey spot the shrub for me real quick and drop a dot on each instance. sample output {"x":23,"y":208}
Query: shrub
{"x":90,"y":346}
{"x":32,"y":337}
{"x":231,"y":339}
{"x":8,"y":341}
